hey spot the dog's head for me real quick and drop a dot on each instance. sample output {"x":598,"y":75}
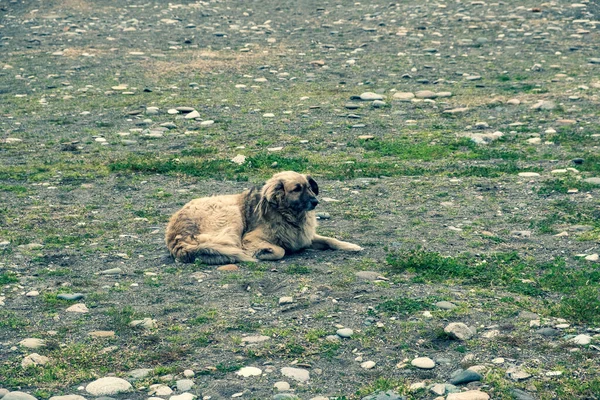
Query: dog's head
{"x":291,"y":191}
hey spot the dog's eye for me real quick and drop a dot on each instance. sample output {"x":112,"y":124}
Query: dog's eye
{"x":298,"y":188}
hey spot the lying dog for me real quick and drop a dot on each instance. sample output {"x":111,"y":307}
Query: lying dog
{"x":262,"y":224}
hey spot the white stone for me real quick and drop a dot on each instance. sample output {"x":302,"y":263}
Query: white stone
{"x":368,"y":364}
{"x":77,"y":308}
{"x":32,"y":293}
{"x":184,"y":385}
{"x":458,"y":330}
{"x":68,"y":397}
{"x":208,"y":122}
{"x":417,"y":386}
{"x":367,"y":96}
{"x":192,"y":115}
{"x":32,"y":343}
{"x":239,"y":159}
{"x":188,"y":373}
{"x":297,"y":374}
{"x":404,"y":96}
{"x":592,"y":257}
{"x":581,"y":340}
{"x":498,"y":360}
{"x":184,"y":396}
{"x":286,"y":300}
{"x":108,"y":386}
{"x":18,"y":396}
{"x":423,"y":363}
{"x":249,"y":371}
{"x":528,"y":174}
{"x":468,"y":395}
{"x":159,"y":390}
{"x":282,"y":386}
{"x":517,"y":374}
{"x":34,"y":359}
{"x":345,"y":332}
{"x":255,"y":339}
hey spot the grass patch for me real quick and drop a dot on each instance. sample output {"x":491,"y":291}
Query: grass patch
{"x":8,"y":277}
{"x":403,"y":306}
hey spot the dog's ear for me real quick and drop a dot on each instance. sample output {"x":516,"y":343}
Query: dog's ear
{"x":313,"y":184}
{"x":273,"y":192}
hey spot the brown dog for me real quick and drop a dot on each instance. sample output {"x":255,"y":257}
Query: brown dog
{"x":260,"y":224}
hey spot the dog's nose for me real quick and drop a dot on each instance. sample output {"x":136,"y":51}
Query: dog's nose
{"x":314,"y":202}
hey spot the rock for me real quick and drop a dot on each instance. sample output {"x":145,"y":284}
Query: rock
{"x":444,"y":94}
{"x":423,"y":363}
{"x":456,"y":110}
{"x":514,"y":102}
{"x":188,"y":373}
{"x":33,"y":293}
{"x":592,"y":257}
{"x":228,"y":267}
{"x":517,"y":374}
{"x":70,"y":296}
{"x":368,"y":364}
{"x":192,"y":115}
{"x":468,"y":395}
{"x":527,"y":315}
{"x":378,"y":103}
{"x":18,"y":396}
{"x":34,"y":359}
{"x":445,"y":305}
{"x":159,"y":390}
{"x":369,"y":275}
{"x":417,"y":386}
{"x":33,"y":343}
{"x":593,"y":181}
{"x":548,"y":332}
{"x":324,"y":214}
{"x":388,"y":395}
{"x":403,"y":96}
{"x":239,"y":159}
{"x":255,"y":339}
{"x":528,"y":174}
{"x":146,"y":323}
{"x":184,"y":385}
{"x":152,"y":110}
{"x":465,"y":377}
{"x":101,"y":334}
{"x":485,"y":138}
{"x":473,"y":77}
{"x":581,"y":340}
{"x":4,"y":392}
{"x":285,"y":396}
{"x":519,"y":394}
{"x":112,"y":271}
{"x":285,"y":300}
{"x":345,"y":333}
{"x":544,"y":105}
{"x":183,"y":396}
{"x":249,"y":371}
{"x":282,"y":386}
{"x":566,"y":121}
{"x":459,"y":331}
{"x":369,"y":96}
{"x":297,"y":374}
{"x":68,"y":397}
{"x":108,"y":386}
{"x":594,"y":60}
{"x":438,"y":389}
{"x":208,"y":122}
{"x":139,"y":373}
{"x":426,"y":94}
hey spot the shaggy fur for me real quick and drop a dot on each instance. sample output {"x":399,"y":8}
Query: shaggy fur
{"x":262,"y":224}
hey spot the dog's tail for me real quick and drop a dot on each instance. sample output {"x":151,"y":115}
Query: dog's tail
{"x":208,"y":250}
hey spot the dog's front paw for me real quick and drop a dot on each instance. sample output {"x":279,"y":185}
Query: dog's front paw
{"x":354,"y":248}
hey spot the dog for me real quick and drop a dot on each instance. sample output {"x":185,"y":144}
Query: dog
{"x":258,"y":224}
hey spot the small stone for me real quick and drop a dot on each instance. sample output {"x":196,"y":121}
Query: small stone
{"x":438,"y":389}
{"x":282,"y":386}
{"x":255,"y":339}
{"x":228,"y":267}
{"x":456,"y":110}
{"x":369,"y":275}
{"x":519,"y":394}
{"x":528,"y":174}
{"x":285,"y":300}
{"x":208,"y":122}
{"x":517,"y":374}
{"x":108,"y":386}
{"x":417,"y":386}
{"x":192,"y":115}
{"x":593,"y":181}
{"x":183,"y":396}
{"x":465,"y":377}
{"x":581,"y":340}
{"x":249,"y":371}
{"x":566,"y":121}
{"x":368,"y":364}
{"x":112,"y":271}
{"x":146,"y":323}
{"x":388,"y":395}
{"x":184,"y":385}
{"x":378,"y":103}
{"x":239,"y":159}
{"x":159,"y":390}
{"x":67,"y":397}
{"x":459,"y":331}
{"x":548,"y":332}
{"x":33,"y":293}
{"x":473,"y":77}
{"x":345,"y":333}
{"x":285,"y":396}
{"x":139,"y":373}
{"x":498,"y":360}
{"x":370,"y":96}
{"x":468,"y":395}
{"x":592,"y":257}
{"x":34,"y":359}
{"x":445,"y":305}
{"x":70,"y":296}
{"x":18,"y":396}
{"x":33,"y":343}
{"x":324,"y":214}
{"x":544,"y":105}
{"x":514,"y":102}
{"x":423,"y":363}
{"x":403,"y":96}
{"x":297,"y":374}
{"x":102,"y":334}
{"x":527,"y":315}
{"x":188,"y":373}
{"x":426,"y":94}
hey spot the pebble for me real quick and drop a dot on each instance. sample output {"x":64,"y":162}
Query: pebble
{"x":459,"y":331}
{"x":18,"y":396}
{"x":239,"y":159}
{"x":368,"y":364}
{"x":592,"y":257}
{"x":593,"y":181}
{"x":297,"y":374}
{"x":33,"y":293}
{"x":249,"y":371}
{"x":285,"y":300}
{"x":519,"y":394}
{"x":445,"y":305}
{"x":403,"y":96}
{"x":159,"y":390}
{"x":498,"y":360}
{"x":112,"y":271}
{"x":517,"y":374}
{"x":108,"y":386}
{"x":139,"y":373}
{"x":544,"y":105}
{"x":465,"y":377}
{"x":68,"y":397}
{"x":548,"y":332}
{"x":100,"y":334}
{"x":183,"y":396}
{"x":369,"y":275}
{"x":228,"y":267}
{"x":388,"y":395}
{"x":70,"y":296}
{"x":370,"y":96}
{"x":581,"y":340}
{"x":184,"y":385}
{"x":423,"y":363}
{"x":528,"y":174}
{"x":255,"y":339}
{"x":468,"y":395}
{"x":188,"y":373}
{"x":514,"y":102}
{"x":285,"y":396}
{"x":426,"y":94}
{"x":378,"y":104}
{"x":146,"y":323}
{"x":34,"y":359}
{"x":33,"y":343}
{"x":345,"y":333}
{"x":282,"y":386}
{"x":192,"y":115}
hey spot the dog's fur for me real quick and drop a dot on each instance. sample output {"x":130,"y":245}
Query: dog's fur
{"x":263,"y":224}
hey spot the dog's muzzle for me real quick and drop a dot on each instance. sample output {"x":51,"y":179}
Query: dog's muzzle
{"x":312,"y":204}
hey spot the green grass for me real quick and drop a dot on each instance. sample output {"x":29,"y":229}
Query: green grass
{"x":8,"y":277}
{"x":403,"y":306}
